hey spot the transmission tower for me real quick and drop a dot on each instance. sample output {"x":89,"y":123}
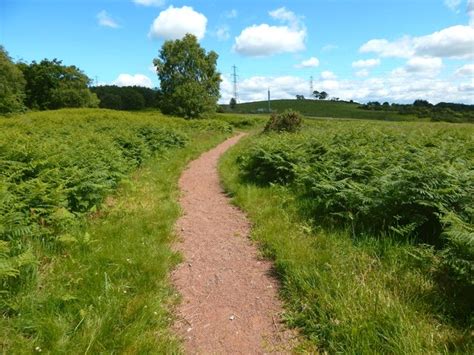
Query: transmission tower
{"x":234,"y":81}
{"x":311,"y":89}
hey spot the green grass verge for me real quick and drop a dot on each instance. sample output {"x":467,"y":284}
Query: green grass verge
{"x":371,"y":295}
{"x":107,"y":288}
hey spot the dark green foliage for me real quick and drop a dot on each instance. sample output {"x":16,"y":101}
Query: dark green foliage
{"x":232,"y":103}
{"x":188,"y":78}
{"x":126,"y":98}
{"x":449,"y":112}
{"x":402,"y":181}
{"x":12,"y":85}
{"x":51,"y":85}
{"x":288,"y":121}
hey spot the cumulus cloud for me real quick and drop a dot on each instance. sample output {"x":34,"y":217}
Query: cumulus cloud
{"x":365,"y":64}
{"x":105,"y":20}
{"x":467,"y":88}
{"x":470,"y":11}
{"x":453,"y":4}
{"x":308,"y":63}
{"x":465,"y":70}
{"x":393,"y":88}
{"x":133,"y":80}
{"x":175,"y":22}
{"x":265,"y":40}
{"x":327,"y":75}
{"x":424,"y":65}
{"x":401,"y":48}
{"x":451,"y":42}
{"x":156,"y":3}
{"x":363,"y":73}
{"x":285,"y":16}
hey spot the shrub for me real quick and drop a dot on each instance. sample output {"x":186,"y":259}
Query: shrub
{"x":288,"y":121}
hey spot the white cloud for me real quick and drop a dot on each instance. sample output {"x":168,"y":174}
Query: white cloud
{"x":222,"y":33}
{"x":133,"y":80}
{"x":467,"y":87}
{"x":105,"y":20}
{"x":308,"y":63}
{"x":265,"y":40}
{"x":465,"y":70}
{"x":451,"y":42}
{"x":327,"y":75}
{"x":329,"y":48}
{"x":285,"y":16}
{"x":453,"y":4}
{"x":175,"y":22}
{"x":231,"y":14}
{"x":362,"y":73}
{"x":470,"y":11}
{"x":392,"y":88}
{"x":401,"y":48}
{"x":156,"y":3}
{"x":152,"y":68}
{"x":424,"y":65}
{"x":364,"y":64}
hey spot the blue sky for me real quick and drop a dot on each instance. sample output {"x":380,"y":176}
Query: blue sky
{"x":386,"y":50}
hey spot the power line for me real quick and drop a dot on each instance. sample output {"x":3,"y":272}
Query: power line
{"x":234,"y":80}
{"x":311,"y":89}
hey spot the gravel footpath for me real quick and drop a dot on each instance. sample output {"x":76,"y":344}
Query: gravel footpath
{"x":229,"y":298}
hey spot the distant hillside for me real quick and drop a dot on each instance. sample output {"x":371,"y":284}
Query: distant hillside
{"x":317,"y":108}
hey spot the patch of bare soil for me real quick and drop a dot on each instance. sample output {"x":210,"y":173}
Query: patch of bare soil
{"x":229,"y":298}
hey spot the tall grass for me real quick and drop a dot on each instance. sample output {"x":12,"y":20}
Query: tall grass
{"x":369,"y":294}
{"x":98,"y":281}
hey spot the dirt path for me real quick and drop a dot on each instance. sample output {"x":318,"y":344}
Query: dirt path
{"x":230,"y":302}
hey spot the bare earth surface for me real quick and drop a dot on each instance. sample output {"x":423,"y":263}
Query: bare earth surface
{"x":230,"y":302}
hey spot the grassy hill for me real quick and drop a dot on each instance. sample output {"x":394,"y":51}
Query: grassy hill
{"x":316,"y":108}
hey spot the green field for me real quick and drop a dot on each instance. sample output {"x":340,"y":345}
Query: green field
{"x":318,"y":108}
{"x":370,"y":226}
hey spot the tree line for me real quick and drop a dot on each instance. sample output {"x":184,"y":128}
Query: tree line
{"x":443,"y":111}
{"x":189,"y":84}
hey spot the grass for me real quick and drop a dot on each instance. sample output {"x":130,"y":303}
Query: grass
{"x":345,"y":295}
{"x":317,"y":108}
{"x":103,"y":287}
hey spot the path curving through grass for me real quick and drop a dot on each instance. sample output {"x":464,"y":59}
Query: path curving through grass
{"x":229,"y":298}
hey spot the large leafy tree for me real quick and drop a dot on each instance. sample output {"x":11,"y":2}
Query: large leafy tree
{"x":12,"y":85}
{"x":188,"y":78}
{"x":51,"y":85}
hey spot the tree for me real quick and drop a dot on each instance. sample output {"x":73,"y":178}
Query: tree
{"x":132,"y":100}
{"x":12,"y":85}
{"x":232,"y":103}
{"x":320,"y":95}
{"x":421,"y":103}
{"x":188,"y":78}
{"x":299,"y":97}
{"x":126,"y":97}
{"x":51,"y":85}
